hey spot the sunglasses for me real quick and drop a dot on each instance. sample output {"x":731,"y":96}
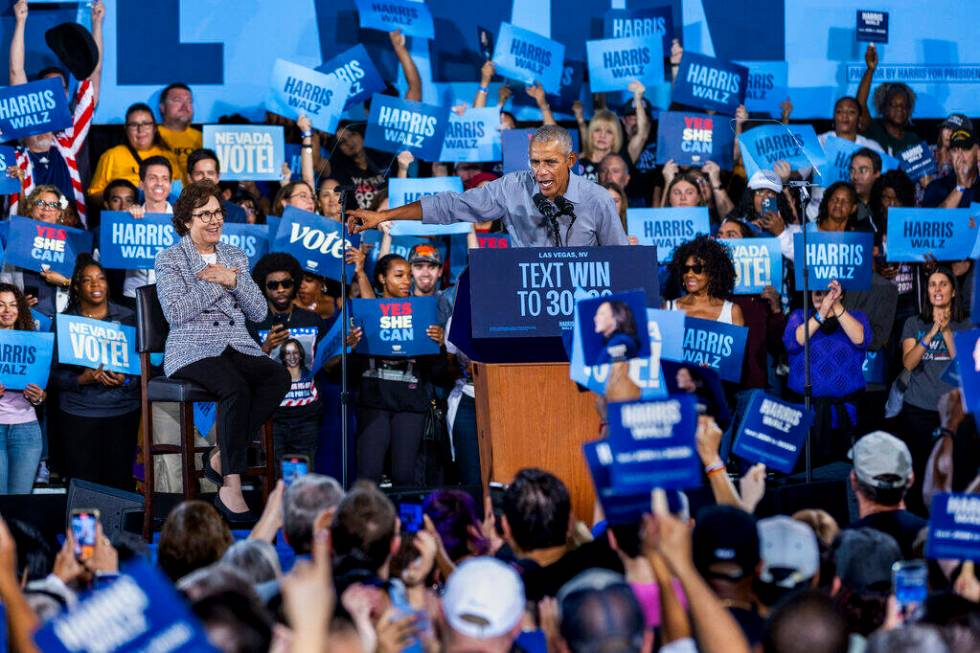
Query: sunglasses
{"x":697,"y":268}
{"x":285,"y":284}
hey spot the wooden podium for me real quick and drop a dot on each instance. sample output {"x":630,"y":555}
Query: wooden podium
{"x":533,"y":415}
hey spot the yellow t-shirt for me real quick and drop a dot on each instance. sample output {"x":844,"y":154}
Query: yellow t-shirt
{"x":118,"y":163}
{"x":182,"y":143}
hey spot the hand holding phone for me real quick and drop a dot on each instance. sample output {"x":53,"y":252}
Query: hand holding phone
{"x":910,"y":583}
{"x":294,"y":466}
{"x":769,"y":205}
{"x":83,"y":530}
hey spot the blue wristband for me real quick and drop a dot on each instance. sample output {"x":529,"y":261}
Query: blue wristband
{"x":307,"y":134}
{"x":924,"y":343}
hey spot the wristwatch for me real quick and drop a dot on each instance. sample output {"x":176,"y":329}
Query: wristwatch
{"x":941,"y":431}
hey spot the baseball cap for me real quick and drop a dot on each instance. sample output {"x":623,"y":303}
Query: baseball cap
{"x":864,"y":558}
{"x":958,"y":121}
{"x":725,"y":534}
{"x":424,"y":253}
{"x":478,"y":179}
{"x":963,"y":138}
{"x":766,"y":179}
{"x":789,"y":551}
{"x":881,"y":460}
{"x":484,"y":598}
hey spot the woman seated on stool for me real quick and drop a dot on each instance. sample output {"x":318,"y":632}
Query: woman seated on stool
{"x":207,"y":293}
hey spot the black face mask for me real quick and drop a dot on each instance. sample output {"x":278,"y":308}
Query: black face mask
{"x":830,"y":325}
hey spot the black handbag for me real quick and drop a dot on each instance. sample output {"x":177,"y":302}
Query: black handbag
{"x":435,"y":450}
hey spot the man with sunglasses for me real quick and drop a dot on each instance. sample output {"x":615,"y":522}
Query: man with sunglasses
{"x":279,"y":276}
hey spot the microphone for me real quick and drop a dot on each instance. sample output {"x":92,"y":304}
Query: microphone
{"x":550,"y":213}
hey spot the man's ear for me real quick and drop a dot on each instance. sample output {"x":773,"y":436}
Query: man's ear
{"x":572,"y":159}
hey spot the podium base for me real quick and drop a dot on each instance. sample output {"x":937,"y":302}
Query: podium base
{"x":533,"y":415}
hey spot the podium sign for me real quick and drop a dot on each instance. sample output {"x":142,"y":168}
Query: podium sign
{"x":531,"y":292}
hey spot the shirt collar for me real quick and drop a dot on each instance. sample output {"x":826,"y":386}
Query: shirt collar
{"x":576,"y":187}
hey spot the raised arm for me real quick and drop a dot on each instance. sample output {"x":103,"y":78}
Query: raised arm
{"x":486,"y":75}
{"x":17,"y":73}
{"x":414,"y":91}
{"x":639,"y":139}
{"x":306,"y":151}
{"x":98,"y":16}
{"x":676,"y":54}
{"x":864,"y":88}
{"x":537,"y":92}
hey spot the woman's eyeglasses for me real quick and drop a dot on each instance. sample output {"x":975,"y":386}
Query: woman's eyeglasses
{"x":210,"y":217}
{"x":697,"y":268}
{"x":44,"y":204}
{"x":285,"y":284}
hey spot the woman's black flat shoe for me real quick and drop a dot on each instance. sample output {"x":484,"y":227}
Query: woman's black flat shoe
{"x":234,"y":517}
{"x":209,"y":472}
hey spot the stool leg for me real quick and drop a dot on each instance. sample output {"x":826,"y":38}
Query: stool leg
{"x":149,"y":478}
{"x":187,"y":449}
{"x":269,"y":480}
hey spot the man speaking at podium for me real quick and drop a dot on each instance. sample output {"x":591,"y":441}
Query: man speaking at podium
{"x":545,"y":206}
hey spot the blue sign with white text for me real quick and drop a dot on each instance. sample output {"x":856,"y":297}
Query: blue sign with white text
{"x":772,"y":432}
{"x":316,"y":242}
{"x":758,"y":263}
{"x":402,"y":191}
{"x":693,"y":139}
{"x":412,"y":18}
{"x":247,"y":152}
{"x":41,"y":321}
{"x":8,"y":183}
{"x":917,"y":161}
{"x":473,"y":136}
{"x":837,"y":160}
{"x":614,"y":63}
{"x":33,"y":108}
{"x":954,"y":527}
{"x":618,"y":507}
{"x":709,"y":83}
{"x":764,"y":145}
{"x":396,"y":125}
{"x":253,"y":239}
{"x":633,"y":23}
{"x":653,"y":443}
{"x":356,"y":67}
{"x":528,"y":57}
{"x":138,"y":611}
{"x":668,"y":227}
{"x":329,"y":346}
{"x":25,"y":358}
{"x":572,"y":81}
{"x":666,"y":330}
{"x":844,"y":256}
{"x":128,"y":243}
{"x":968,"y":358}
{"x":296,"y":90}
{"x":531,"y":292}
{"x":92,"y":343}
{"x":872,"y":26}
{"x":946,"y":234}
{"x":39,"y":246}
{"x":395,"y":327}
{"x":716,"y":345}
{"x":768,"y":86}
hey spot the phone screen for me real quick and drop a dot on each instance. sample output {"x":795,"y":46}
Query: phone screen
{"x":910,"y":581}
{"x":83,"y":524}
{"x":410,"y":515}
{"x":293,"y":467}
{"x":769,"y":205}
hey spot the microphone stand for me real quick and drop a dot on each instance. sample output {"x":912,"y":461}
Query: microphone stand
{"x":344,"y":390}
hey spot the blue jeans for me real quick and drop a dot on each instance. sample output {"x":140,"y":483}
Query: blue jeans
{"x":20,"y":451}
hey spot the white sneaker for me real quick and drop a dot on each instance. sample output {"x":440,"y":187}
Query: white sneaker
{"x":43,"y":474}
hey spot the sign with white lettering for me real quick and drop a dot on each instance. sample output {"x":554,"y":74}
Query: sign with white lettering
{"x":296,"y":90}
{"x":95,"y":343}
{"x":247,"y":152}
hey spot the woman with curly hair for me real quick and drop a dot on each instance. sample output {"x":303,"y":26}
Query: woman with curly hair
{"x":707,"y":276}
{"x":894,"y":103}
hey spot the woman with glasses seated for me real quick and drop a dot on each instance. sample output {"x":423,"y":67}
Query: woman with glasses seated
{"x":123,"y":161}
{"x":207,"y":294}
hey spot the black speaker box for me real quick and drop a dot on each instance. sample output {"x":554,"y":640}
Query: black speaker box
{"x":113,"y":505}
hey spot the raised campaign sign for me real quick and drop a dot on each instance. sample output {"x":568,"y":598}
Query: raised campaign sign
{"x":412,"y":18}
{"x":666,"y":228}
{"x":763,"y":146}
{"x":316,"y":242}
{"x":25,"y":357}
{"x":128,"y":243}
{"x":396,"y":125}
{"x":296,"y":90}
{"x":473,"y":136}
{"x":633,"y":23}
{"x":945,"y":234}
{"x":709,"y":83}
{"x":772,"y":432}
{"x":408,"y":190}
{"x":954,"y":527}
{"x":356,"y":67}
{"x":92,"y":343}
{"x":33,"y":108}
{"x":693,"y":139}
{"x":844,"y":256}
{"x":716,"y":345}
{"x":528,"y":57}
{"x":531,"y":292}
{"x":758,"y":263}
{"x":395,"y":327}
{"x":247,"y":152}
{"x":614,"y":63}
{"x":40,"y":246}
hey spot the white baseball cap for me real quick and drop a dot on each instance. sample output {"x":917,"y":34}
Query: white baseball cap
{"x":766,"y":179}
{"x":484,"y":598}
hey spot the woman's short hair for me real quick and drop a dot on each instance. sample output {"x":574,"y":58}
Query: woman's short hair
{"x":25,"y":207}
{"x":715,"y":258}
{"x":256,"y":558}
{"x":193,"y":536}
{"x":194,"y":196}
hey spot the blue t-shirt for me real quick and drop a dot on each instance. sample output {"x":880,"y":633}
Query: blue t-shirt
{"x":50,"y":168}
